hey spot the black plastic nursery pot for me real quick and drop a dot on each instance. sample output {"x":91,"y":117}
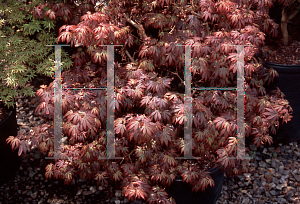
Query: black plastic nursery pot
{"x":182,"y":191}
{"x":9,"y":161}
{"x":288,"y":82}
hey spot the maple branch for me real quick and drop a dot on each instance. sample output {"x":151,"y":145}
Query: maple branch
{"x":256,"y":61}
{"x":207,"y":28}
{"x":174,"y":74}
{"x":294,"y":13}
{"x":130,"y":57}
{"x":171,"y":31}
{"x":196,"y":14}
{"x":177,"y":94}
{"x":137,"y":26}
{"x":136,"y":37}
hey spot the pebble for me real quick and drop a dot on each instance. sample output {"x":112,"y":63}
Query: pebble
{"x":269,"y":177}
{"x":79,"y":192}
{"x":281,"y":170}
{"x":253,"y":147}
{"x":297,"y":177}
{"x":270,"y":186}
{"x":93,"y":189}
{"x":34,"y":195}
{"x":280,"y":186}
{"x":272,"y":171}
{"x":87,"y":193}
{"x":274,"y":192}
{"x":118,"y":193}
{"x":282,"y":179}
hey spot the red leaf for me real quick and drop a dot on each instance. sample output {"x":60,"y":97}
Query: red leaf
{"x":14,"y":142}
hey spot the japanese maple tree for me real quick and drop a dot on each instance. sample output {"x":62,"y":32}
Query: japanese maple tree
{"x":149,"y":106}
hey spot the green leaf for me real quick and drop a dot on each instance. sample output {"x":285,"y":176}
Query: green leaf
{"x":32,"y":27}
{"x":48,"y":24}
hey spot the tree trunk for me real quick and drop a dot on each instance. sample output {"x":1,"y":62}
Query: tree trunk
{"x":284,"y":31}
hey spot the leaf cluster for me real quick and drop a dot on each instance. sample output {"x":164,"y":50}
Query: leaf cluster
{"x":149,"y":113}
{"x":23,"y":49}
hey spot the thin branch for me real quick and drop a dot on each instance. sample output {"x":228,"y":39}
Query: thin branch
{"x":174,"y":74}
{"x":171,"y":31}
{"x":130,"y":57}
{"x":207,"y":28}
{"x":256,"y":61}
{"x":134,"y":54}
{"x":137,"y":26}
{"x":196,"y":14}
{"x":294,"y":13}
{"x":136,"y":37}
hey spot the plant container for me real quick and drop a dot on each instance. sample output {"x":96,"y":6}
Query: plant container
{"x":9,"y":161}
{"x":288,"y":82}
{"x":182,"y":191}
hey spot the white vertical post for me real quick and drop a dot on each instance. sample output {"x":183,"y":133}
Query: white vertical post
{"x":187,"y":106}
{"x":110,"y":130}
{"x":57,"y":105}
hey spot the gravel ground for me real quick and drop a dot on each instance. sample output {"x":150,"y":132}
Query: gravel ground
{"x":271,"y":179}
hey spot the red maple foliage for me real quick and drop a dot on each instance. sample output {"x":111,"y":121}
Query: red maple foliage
{"x":149,"y":111}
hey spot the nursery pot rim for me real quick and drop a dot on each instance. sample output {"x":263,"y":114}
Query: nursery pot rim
{"x":282,"y":68}
{"x":283,"y":65}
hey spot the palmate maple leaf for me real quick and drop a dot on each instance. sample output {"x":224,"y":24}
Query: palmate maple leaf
{"x":179,"y":118}
{"x":263,"y":139}
{"x":160,"y":85}
{"x":128,"y":168}
{"x":140,"y":126}
{"x":37,"y":12}
{"x":169,"y":159}
{"x":158,"y":195}
{"x":68,"y":177}
{"x":145,"y":100}
{"x":45,"y":109}
{"x":74,"y":117}
{"x":138,"y":92}
{"x":194,"y":22}
{"x":67,"y":35}
{"x":120,"y":126}
{"x":166,"y":115}
{"x":99,"y":17}
{"x":87,"y":121}
{"x":156,"y":115}
{"x":136,"y":189}
{"x":14,"y":142}
{"x":67,"y":100}
{"x":49,"y":171}
{"x":203,"y":183}
{"x":206,"y":15}
{"x":71,"y":130}
{"x":45,"y":94}
{"x":23,"y":148}
{"x":140,"y":153}
{"x":190,"y":174}
{"x":272,"y":114}
{"x":51,"y":14}
{"x":101,"y":178}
